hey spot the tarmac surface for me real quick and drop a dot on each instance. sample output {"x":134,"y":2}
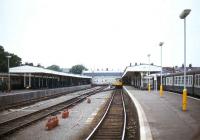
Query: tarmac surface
{"x":71,"y":128}
{"x":165,"y":116}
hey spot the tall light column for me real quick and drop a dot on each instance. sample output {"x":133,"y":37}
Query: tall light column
{"x":8,"y":72}
{"x":183,"y":15}
{"x":149,"y":85}
{"x":161,"y":86}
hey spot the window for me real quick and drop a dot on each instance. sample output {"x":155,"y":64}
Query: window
{"x":179,"y":80}
{"x":169,"y":80}
{"x":175,"y":80}
{"x":191,"y":80}
{"x":197,"y":80}
{"x":163,"y":81}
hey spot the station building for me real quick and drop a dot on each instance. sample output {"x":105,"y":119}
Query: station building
{"x":103,"y":77}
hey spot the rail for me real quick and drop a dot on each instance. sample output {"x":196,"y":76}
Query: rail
{"x":17,"y":123}
{"x":110,"y":113}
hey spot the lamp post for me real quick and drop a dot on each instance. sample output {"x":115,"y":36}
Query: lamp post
{"x":149,"y":85}
{"x":161,"y":86}
{"x":8,"y":72}
{"x":183,"y":15}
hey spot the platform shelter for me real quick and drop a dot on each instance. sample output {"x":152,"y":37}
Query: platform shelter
{"x":37,"y":77}
{"x":139,"y":75}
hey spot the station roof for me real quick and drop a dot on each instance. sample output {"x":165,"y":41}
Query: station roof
{"x":142,"y":68}
{"x":39,"y":70}
{"x":103,"y":73}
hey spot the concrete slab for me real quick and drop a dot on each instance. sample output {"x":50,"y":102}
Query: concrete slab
{"x":68,"y":129}
{"x":166,"y":119}
{"x":13,"y":98}
{"x":14,"y":113}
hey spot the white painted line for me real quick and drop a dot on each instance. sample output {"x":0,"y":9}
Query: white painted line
{"x":94,"y":114}
{"x":145,"y":131}
{"x":89,"y":120}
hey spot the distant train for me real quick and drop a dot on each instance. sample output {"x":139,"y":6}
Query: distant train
{"x":175,"y":82}
{"x":171,"y":82}
{"x":118,"y":83}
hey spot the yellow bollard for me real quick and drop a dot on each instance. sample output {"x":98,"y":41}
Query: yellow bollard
{"x":161,"y":90}
{"x":149,"y":87}
{"x":184,"y":100}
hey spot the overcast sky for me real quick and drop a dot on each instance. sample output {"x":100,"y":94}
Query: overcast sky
{"x":99,"y":33}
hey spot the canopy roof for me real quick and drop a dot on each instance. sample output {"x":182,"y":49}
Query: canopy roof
{"x":39,"y":70}
{"x":142,"y":68}
{"x":103,"y":73}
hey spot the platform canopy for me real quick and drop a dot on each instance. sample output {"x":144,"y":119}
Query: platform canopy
{"x":142,"y":68}
{"x":39,"y":70}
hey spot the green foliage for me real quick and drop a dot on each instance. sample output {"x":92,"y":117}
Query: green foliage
{"x":14,"y":60}
{"x":54,"y":67}
{"x":29,"y":64}
{"x":77,"y":69}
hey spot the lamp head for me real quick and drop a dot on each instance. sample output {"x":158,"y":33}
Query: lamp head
{"x":161,"y":43}
{"x":185,"y":13}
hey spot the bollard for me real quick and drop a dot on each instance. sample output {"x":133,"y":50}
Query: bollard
{"x":88,"y":100}
{"x":161,"y":90}
{"x":52,"y":122}
{"x":184,"y":100}
{"x":149,"y":88}
{"x":56,"y":121}
{"x":65,"y":114}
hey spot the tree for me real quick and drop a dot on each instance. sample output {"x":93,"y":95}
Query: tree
{"x":14,"y":60}
{"x":78,"y":69}
{"x":29,"y":64}
{"x":40,"y":66}
{"x":54,"y":67}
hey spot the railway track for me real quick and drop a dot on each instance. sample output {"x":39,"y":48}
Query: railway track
{"x":113,"y":123}
{"x":20,"y":122}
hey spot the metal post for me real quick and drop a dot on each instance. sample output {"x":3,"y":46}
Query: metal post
{"x":161,"y":65}
{"x":8,"y":75}
{"x":183,"y":15}
{"x":184,"y":100}
{"x":29,"y":85}
{"x":184,"y":53}
{"x":161,"y":84}
{"x":24,"y":80}
{"x":149,"y":85}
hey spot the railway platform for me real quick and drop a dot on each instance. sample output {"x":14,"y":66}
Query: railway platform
{"x":10,"y":114}
{"x":165,"y":117}
{"x":19,"y":96}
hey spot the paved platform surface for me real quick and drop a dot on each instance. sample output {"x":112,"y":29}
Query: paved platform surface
{"x":71,"y":128}
{"x":17,"y":91}
{"x":23,"y":96}
{"x":166,"y":119}
{"x":24,"y":91}
{"x":14,"y":113}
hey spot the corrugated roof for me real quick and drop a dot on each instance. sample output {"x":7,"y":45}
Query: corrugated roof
{"x":103,"y":73}
{"x":32,"y":69}
{"x":142,"y":68}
